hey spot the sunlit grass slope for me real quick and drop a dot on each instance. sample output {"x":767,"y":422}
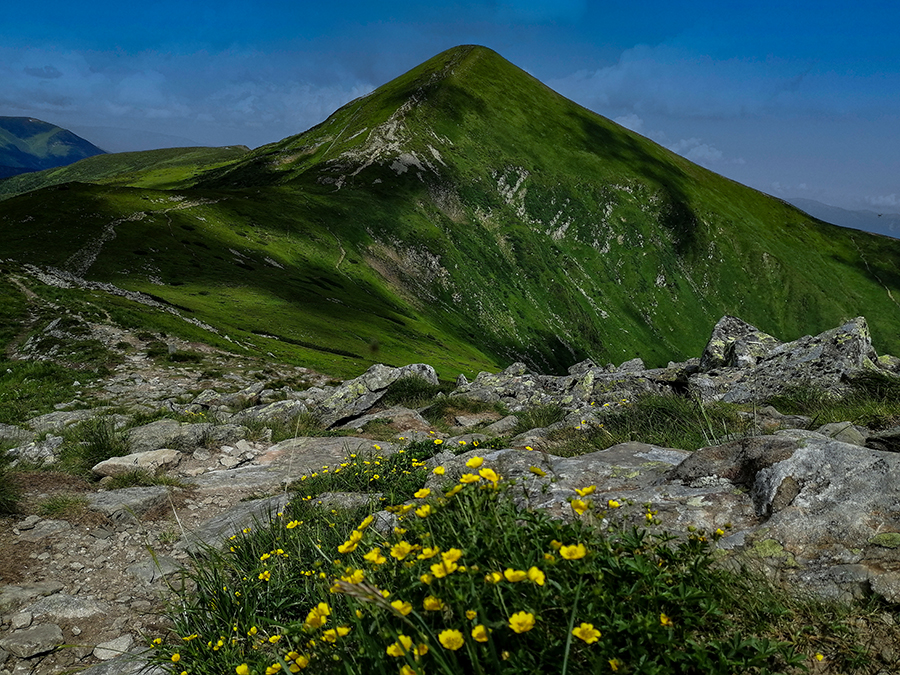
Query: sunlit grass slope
{"x":151,"y":168}
{"x":464,"y":214}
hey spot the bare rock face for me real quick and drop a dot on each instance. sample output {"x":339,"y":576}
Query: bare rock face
{"x":824,"y":362}
{"x":152,"y":462}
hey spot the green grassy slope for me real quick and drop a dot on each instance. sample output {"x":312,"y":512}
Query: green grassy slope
{"x":156,"y":169}
{"x":465,"y":215}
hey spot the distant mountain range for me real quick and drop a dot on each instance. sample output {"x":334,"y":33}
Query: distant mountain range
{"x":463,"y":215}
{"x":28,"y":144}
{"x":887,"y":224}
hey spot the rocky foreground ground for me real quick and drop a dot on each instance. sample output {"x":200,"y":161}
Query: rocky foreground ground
{"x":84,"y":589}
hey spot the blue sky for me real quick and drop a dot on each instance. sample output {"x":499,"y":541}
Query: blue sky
{"x":798,"y":99}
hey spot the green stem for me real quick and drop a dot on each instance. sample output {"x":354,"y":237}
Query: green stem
{"x":565,"y":665}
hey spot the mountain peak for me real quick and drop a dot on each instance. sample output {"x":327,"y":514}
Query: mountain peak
{"x":28,"y":144}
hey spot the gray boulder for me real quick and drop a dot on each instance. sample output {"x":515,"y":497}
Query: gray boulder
{"x":151,"y":461}
{"x":825,"y":362}
{"x":33,"y":641}
{"x":355,"y":397}
{"x":167,"y":433}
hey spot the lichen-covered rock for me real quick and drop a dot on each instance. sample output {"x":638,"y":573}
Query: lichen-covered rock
{"x":357,"y":396}
{"x":825,"y":362}
{"x":152,"y":462}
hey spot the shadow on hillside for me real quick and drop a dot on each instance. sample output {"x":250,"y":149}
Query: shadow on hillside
{"x":676,"y":214}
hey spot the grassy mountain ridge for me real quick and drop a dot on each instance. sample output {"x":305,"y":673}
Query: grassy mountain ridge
{"x":27,"y":144}
{"x":465,"y":214}
{"x":156,"y":169}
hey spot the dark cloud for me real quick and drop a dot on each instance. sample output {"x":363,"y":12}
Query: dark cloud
{"x":46,"y":73}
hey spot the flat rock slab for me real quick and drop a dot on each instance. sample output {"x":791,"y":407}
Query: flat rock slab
{"x":216,"y":531}
{"x":132,"y":663}
{"x":45,"y":528}
{"x":151,"y":461}
{"x":62,"y":606}
{"x":403,"y":419}
{"x":33,"y":641}
{"x":128,"y":503}
{"x":16,"y":596}
{"x":304,"y":455}
{"x":113,"y":648}
{"x":153,"y":569}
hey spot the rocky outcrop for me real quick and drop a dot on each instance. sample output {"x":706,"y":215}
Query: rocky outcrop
{"x":816,"y":509}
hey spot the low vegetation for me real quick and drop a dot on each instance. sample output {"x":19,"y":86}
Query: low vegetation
{"x":465,"y":582}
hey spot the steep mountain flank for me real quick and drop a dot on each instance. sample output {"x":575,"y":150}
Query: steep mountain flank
{"x":465,"y":214}
{"x":27,"y":144}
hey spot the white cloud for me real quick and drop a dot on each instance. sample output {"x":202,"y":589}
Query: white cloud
{"x":630,"y":121}
{"x":886,"y":200}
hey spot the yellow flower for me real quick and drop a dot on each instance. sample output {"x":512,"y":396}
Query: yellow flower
{"x":274,"y":638}
{"x":399,"y":648}
{"x":401,"y":549}
{"x":301,"y":661}
{"x":423,"y":511}
{"x":176,"y":657}
{"x":664,"y":620}
{"x":469,"y":478}
{"x":330,"y":635}
{"x":587,"y":632}
{"x":402,"y":607}
{"x":438,"y":471}
{"x":433,"y":604}
{"x":720,"y":532}
{"x":521,"y":622}
{"x":442,"y":569}
{"x":537,"y":471}
{"x":438,"y":441}
{"x":428,"y":552}
{"x":573,"y":552}
{"x":555,"y":545}
{"x":529,"y":448}
{"x":514,"y":575}
{"x":489,"y":474}
{"x":421,"y":494}
{"x":493,"y":578}
{"x":406,"y":670}
{"x":579,"y":506}
{"x":452,"y":491}
{"x":451,"y":555}
{"x":614,"y":664}
{"x":475,"y":462}
{"x":536,"y":575}
{"x":471,"y":614}
{"x":584,"y":492}
{"x":374,"y":556}
{"x":820,"y":656}
{"x":462,"y":442}
{"x":365,"y":523}
{"x":253,"y":631}
{"x":426,"y":579}
{"x":318,"y":616}
{"x":480,"y":633}
{"x":451,"y":639}
{"x":265,"y":576}
{"x":347,"y":547}
{"x":274,"y":668}
{"x":242,"y":669}
{"x":613,"y":504}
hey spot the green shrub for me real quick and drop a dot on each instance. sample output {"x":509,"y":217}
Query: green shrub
{"x":873,"y":401}
{"x":395,"y":476}
{"x":466,"y":583}
{"x":538,"y":417}
{"x":10,"y":493}
{"x":90,"y":443}
{"x":412,"y":392}
{"x":62,"y":505}
{"x":668,"y":421}
{"x":30,"y":388}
